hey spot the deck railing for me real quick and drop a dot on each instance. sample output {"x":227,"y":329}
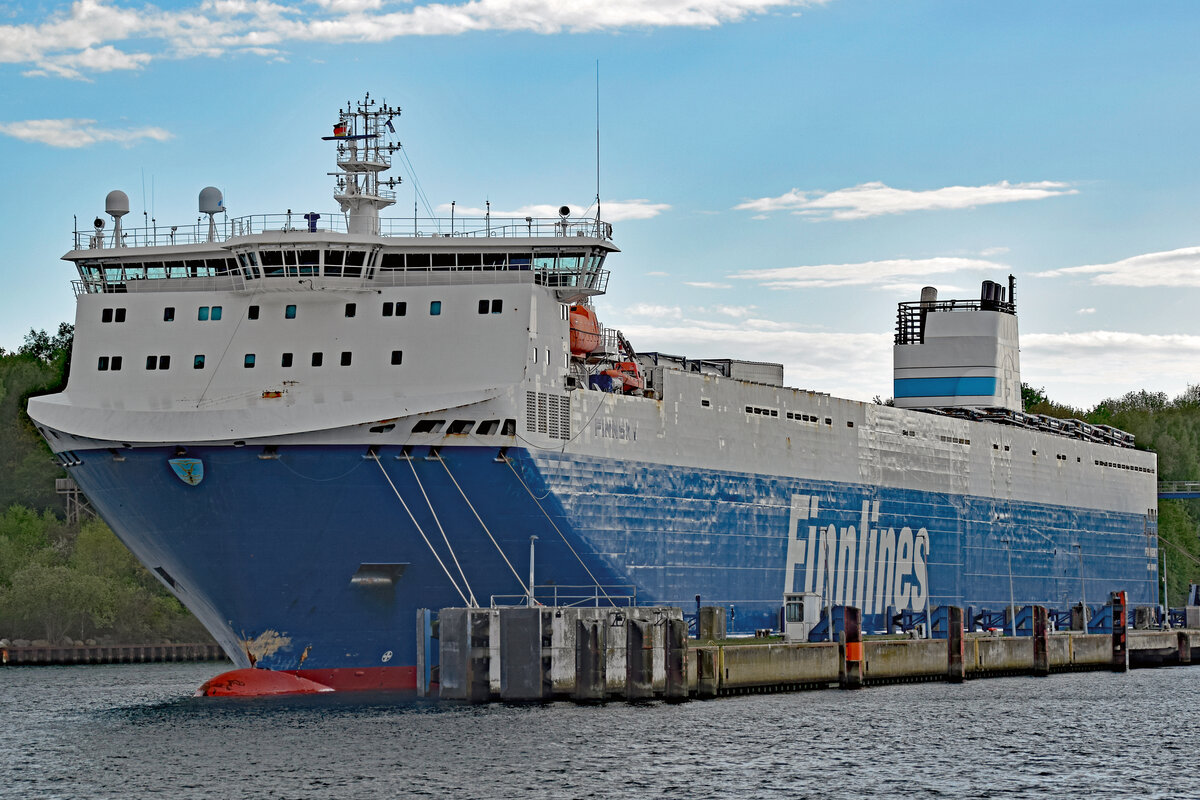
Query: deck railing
{"x":336,"y":222}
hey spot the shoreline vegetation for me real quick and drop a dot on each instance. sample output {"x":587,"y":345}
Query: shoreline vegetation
{"x":75,"y":584}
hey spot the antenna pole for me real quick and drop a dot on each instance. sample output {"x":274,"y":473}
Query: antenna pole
{"x":597,"y":147}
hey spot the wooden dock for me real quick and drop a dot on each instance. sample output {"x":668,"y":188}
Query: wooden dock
{"x":109,"y":654}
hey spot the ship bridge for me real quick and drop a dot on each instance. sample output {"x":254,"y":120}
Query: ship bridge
{"x":262,"y":252}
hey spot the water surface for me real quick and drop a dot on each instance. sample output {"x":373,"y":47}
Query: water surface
{"x":134,"y":731}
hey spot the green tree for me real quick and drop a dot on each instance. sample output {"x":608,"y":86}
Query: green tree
{"x":53,"y":601}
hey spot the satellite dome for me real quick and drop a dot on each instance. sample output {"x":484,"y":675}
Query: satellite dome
{"x":116,"y":204}
{"x":211,"y":201}
{"x":564,"y":211}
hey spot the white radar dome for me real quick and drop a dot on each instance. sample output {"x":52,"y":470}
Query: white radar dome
{"x":211,"y":201}
{"x":116,"y":204}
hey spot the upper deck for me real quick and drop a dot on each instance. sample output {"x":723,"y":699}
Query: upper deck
{"x":262,"y":252}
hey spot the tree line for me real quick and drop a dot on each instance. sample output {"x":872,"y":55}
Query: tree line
{"x":61,"y":581}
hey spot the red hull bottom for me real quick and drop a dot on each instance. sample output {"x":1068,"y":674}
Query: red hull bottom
{"x":265,"y":682}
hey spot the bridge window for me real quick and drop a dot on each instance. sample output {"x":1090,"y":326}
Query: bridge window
{"x":346,"y":356}
{"x":351,"y":309}
{"x":435,"y":308}
{"x":285,"y":360}
{"x":102,"y":363}
{"x":252,"y":312}
{"x":169,"y":314}
{"x":289,"y":312}
{"x":198,"y":362}
{"x":397,"y":357}
{"x":318,"y":359}
{"x":248,"y":361}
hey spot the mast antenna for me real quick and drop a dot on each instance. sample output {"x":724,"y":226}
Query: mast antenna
{"x":597,"y":147}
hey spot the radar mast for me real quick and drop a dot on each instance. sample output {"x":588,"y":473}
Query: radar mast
{"x":363,"y":152}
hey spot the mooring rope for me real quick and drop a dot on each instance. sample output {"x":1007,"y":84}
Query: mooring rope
{"x":445,"y":538}
{"x":516,"y":574}
{"x":418,"y":526}
{"x":549,"y":519}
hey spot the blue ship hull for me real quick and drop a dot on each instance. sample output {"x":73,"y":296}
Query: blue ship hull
{"x":264,"y":550}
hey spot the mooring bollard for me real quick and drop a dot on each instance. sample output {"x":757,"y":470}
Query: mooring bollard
{"x":852,"y":667}
{"x":955,"y":654}
{"x":1041,"y":654}
{"x":1120,"y":651}
{"x":1185,"y":647}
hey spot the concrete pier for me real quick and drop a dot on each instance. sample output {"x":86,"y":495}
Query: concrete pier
{"x":639,"y":654}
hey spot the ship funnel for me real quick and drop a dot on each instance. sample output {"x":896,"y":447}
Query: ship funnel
{"x":958,"y":353}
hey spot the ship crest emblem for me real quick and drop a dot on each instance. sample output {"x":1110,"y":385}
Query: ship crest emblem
{"x":188,"y":470}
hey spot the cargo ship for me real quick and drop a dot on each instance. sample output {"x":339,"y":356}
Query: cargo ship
{"x":309,"y":426}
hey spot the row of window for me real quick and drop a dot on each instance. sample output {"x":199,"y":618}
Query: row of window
{"x":1131,"y":467}
{"x":459,"y":427}
{"x":390,"y":309}
{"x":304,"y":262}
{"x":771,"y":412}
{"x":106,"y":363}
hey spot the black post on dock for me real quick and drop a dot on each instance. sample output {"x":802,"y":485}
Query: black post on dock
{"x":591,"y":675}
{"x":1041,"y":654}
{"x":852,"y":667}
{"x":1185,"y":647}
{"x":708,"y":671}
{"x":955,"y":654}
{"x":522,"y":669}
{"x":424,"y":650}
{"x":676,"y":688}
{"x":639,"y":675}
{"x":1120,"y":650}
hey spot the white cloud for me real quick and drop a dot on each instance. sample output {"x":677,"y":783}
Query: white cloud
{"x":610,"y":211}
{"x":657,"y":274}
{"x":876,"y":198}
{"x":1086,"y":311}
{"x":729,"y":311}
{"x":893,"y":274}
{"x":707,"y":285}
{"x":1170,"y":268}
{"x":1078,"y":369}
{"x":651,"y":310}
{"x":1082,"y":369}
{"x":855,"y":365}
{"x":988,"y":252}
{"x":73,"y":133}
{"x":85,"y":37}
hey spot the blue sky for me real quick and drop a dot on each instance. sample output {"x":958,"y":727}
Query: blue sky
{"x":780,"y":174}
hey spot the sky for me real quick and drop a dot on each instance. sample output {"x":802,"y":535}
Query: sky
{"x":779,"y":173}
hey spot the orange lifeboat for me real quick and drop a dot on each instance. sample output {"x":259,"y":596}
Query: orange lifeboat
{"x":628,"y":373}
{"x":585,"y":331}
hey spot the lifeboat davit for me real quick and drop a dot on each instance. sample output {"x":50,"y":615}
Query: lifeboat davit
{"x":585,"y":331}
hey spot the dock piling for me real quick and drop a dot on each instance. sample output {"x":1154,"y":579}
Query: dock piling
{"x":591,"y":644}
{"x":852,"y":649}
{"x":1120,"y":650}
{"x":955,"y":647}
{"x":1041,"y":655}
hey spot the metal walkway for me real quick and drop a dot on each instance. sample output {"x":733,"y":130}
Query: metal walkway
{"x":1178,"y":490}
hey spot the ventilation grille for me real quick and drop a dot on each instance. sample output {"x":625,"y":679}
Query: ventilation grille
{"x":549,"y":414}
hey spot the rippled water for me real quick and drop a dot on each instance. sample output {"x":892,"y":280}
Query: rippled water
{"x":134,"y":731}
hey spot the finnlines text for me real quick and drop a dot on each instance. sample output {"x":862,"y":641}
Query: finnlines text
{"x":864,"y":566}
